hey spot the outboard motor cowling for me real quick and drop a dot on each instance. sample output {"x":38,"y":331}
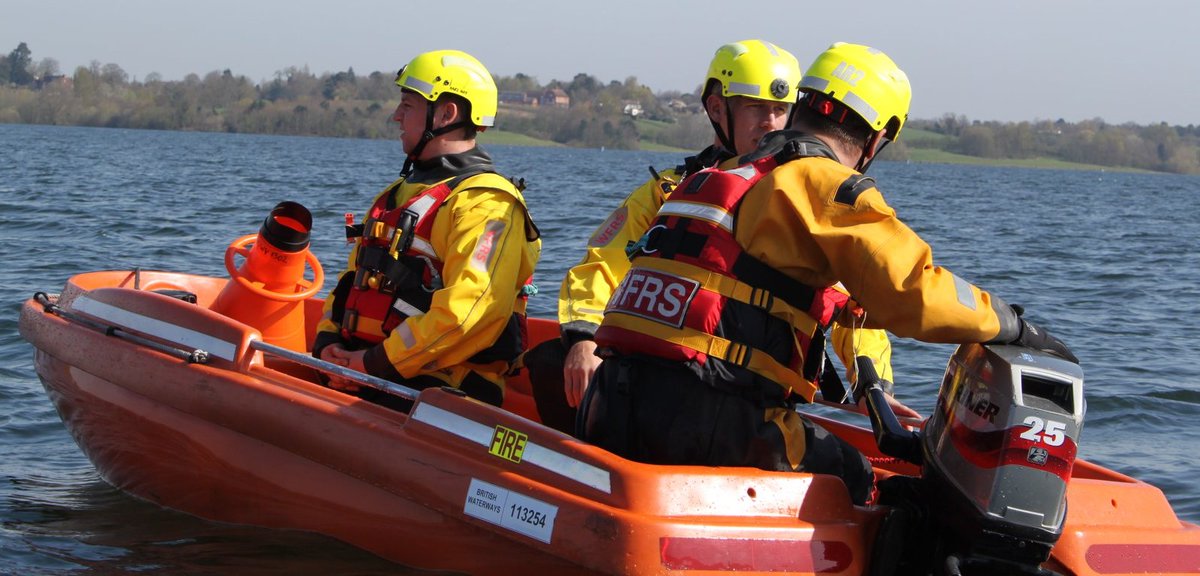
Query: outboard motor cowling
{"x":999,"y":450}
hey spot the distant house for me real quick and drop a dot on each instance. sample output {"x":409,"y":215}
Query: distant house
{"x":632,"y":109}
{"x":680,"y":107}
{"x":52,"y":80}
{"x":555,"y":97}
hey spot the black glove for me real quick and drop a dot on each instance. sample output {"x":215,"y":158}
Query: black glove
{"x":1036,"y":337}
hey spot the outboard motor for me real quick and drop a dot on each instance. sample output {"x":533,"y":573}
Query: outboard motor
{"x":996,"y":457}
{"x":268,"y":290}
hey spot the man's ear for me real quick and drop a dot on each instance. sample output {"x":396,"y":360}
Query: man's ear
{"x":446,"y":113}
{"x":714,"y":106}
{"x":876,"y":143}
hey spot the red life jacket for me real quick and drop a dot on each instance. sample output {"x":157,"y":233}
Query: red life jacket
{"x":694,"y":295}
{"x":398,"y":270}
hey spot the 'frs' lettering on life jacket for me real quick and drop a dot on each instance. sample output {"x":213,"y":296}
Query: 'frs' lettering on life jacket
{"x":609,"y":229}
{"x":654,"y":295}
{"x":481,"y":257}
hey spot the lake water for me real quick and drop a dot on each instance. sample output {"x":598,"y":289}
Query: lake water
{"x":1109,"y":262}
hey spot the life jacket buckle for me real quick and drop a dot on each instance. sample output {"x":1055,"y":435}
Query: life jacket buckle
{"x":402,"y":236}
{"x":739,"y":354}
{"x":375,"y":229}
{"x":372,"y":279}
{"x":349,"y":323}
{"x":360,"y":278}
{"x":762,"y":298}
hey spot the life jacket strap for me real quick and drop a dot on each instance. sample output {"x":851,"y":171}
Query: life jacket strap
{"x":746,"y":357}
{"x":735,"y":289}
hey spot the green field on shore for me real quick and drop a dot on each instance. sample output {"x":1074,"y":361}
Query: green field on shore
{"x":502,"y":138}
{"x":932,"y":155}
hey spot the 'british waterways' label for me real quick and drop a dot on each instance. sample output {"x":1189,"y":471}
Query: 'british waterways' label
{"x":510,"y":510}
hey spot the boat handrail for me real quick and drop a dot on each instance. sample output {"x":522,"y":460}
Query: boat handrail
{"x":198,"y":356}
{"x":336,"y":370}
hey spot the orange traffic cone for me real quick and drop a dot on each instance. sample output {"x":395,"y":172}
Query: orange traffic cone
{"x":268,"y":291}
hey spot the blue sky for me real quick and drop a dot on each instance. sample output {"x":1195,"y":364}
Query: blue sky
{"x":1007,"y":60}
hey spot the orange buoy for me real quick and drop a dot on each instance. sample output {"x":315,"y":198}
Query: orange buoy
{"x":268,"y":290}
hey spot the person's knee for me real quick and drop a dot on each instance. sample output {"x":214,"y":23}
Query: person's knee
{"x":858,"y":474}
{"x":545,"y":365}
{"x":605,"y":415}
{"x":826,"y":453}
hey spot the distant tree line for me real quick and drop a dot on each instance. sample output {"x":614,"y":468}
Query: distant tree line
{"x":1157,"y":147}
{"x":618,"y":115}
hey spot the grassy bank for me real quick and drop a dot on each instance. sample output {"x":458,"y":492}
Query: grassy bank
{"x":942,"y":157}
{"x":501,"y":138}
{"x":915,"y":139}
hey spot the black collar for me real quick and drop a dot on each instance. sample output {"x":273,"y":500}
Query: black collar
{"x":706,"y":158}
{"x":788,"y":144}
{"x":440,"y":168}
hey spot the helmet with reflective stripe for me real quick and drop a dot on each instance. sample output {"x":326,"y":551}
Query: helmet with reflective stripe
{"x":452,"y":72}
{"x":864,"y":80}
{"x":756,"y":69}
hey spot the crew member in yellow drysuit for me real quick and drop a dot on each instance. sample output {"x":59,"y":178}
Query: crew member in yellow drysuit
{"x":749,"y":91}
{"x":434,"y":294}
{"x":711,"y":334}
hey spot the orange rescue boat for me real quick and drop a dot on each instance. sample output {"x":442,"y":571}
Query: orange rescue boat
{"x":196,"y":393}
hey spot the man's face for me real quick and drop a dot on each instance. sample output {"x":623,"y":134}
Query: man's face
{"x":410,"y":117}
{"x":753,"y":118}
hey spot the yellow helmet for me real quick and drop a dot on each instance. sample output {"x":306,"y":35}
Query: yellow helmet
{"x":866,"y":81}
{"x":452,"y":72}
{"x":756,"y":69}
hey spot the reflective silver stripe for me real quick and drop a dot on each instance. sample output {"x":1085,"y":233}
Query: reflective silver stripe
{"x":814,"y":82}
{"x":422,"y":205}
{"x":418,"y":85}
{"x":744,"y":89}
{"x":701,"y":211}
{"x":154,"y":327}
{"x":966,"y":296}
{"x":487,"y":120}
{"x":406,"y":335}
{"x":421,"y":245}
{"x":534,"y":454}
{"x":406,"y":309}
{"x":745,"y":172}
{"x":859,"y":105}
{"x":421,"y":208}
{"x":452,"y":61}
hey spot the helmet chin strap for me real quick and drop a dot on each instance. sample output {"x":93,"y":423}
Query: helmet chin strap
{"x":727,"y":139}
{"x":724,"y":138}
{"x":429,"y":134}
{"x":864,"y":162}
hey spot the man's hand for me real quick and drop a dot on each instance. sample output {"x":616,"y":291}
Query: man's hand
{"x":1037,"y":338}
{"x":338,"y":354}
{"x":578,"y":367}
{"x":898,"y":407}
